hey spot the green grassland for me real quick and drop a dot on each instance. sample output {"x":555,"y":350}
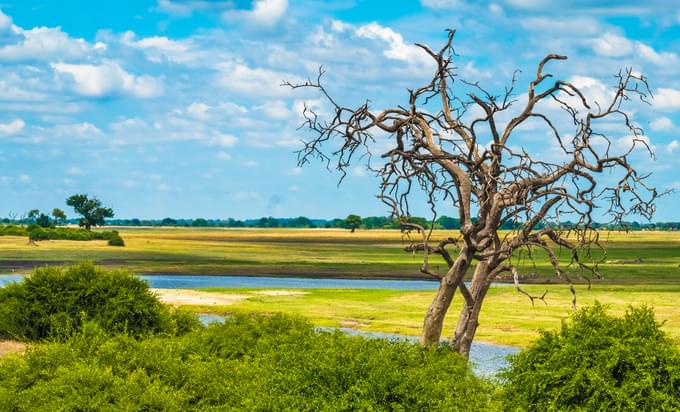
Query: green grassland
{"x":634,"y":257}
{"x":639,"y":268}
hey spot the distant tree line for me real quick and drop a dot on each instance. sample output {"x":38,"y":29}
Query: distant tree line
{"x":351,"y":222}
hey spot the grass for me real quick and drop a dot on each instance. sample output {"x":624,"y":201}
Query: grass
{"x":635,"y":257}
{"x":507,"y":316}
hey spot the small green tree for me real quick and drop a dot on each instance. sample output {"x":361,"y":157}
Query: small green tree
{"x":91,"y":210}
{"x":33,"y":214}
{"x":353,"y":222}
{"x":59,"y":216}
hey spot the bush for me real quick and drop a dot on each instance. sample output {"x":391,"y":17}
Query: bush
{"x":37,"y":233}
{"x":116,"y":241}
{"x":13,"y":230}
{"x":597,"y":362}
{"x":248,"y":363}
{"x":53,"y":303}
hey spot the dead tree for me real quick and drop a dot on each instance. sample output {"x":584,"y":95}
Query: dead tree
{"x":456,"y":142}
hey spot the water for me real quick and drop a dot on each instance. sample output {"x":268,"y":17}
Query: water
{"x":487,"y":359}
{"x":256,"y":282}
{"x":6,"y":279}
{"x":161,"y":281}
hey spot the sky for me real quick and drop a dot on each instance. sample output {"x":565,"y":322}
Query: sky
{"x":175,"y":108}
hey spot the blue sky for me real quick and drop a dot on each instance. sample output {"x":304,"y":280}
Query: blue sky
{"x":173,"y":108}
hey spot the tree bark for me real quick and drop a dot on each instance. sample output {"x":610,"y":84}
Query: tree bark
{"x":434,"y":318}
{"x":468,"y":321}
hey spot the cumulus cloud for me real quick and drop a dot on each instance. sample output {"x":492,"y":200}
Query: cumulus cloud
{"x":612,"y":45}
{"x":276,"y":109}
{"x":667,"y":99}
{"x":588,"y":26}
{"x":659,"y":59}
{"x":185,"y":8}
{"x":224,"y":140}
{"x":108,"y":79}
{"x":397,"y":48}
{"x":265,"y":13}
{"x":442,"y":4}
{"x":672,"y":146}
{"x":159,"y":49}
{"x":222,"y":155}
{"x":13,"y":127}
{"x":42,"y":43}
{"x":255,"y":82}
{"x":662,"y":124}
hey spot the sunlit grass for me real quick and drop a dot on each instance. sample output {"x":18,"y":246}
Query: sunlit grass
{"x":648,"y":257}
{"x":507,"y":316}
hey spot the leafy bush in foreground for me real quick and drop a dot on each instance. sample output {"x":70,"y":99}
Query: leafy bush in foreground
{"x":598,"y":362}
{"x":247,"y":364}
{"x":54,"y":302}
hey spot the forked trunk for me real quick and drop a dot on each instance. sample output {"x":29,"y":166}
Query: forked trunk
{"x":469,"y":315}
{"x":434,"y":318}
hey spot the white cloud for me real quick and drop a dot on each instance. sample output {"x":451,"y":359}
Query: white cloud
{"x":587,"y":26}
{"x":359,"y":171}
{"x":222,"y":155}
{"x":5,"y":21}
{"x":442,"y":4}
{"x":667,"y":99}
{"x":160,"y":48}
{"x":397,"y":50}
{"x":239,"y":77}
{"x":185,"y":8}
{"x":659,"y":59}
{"x":612,"y":45}
{"x":662,"y":124}
{"x":108,"y":79}
{"x":265,"y":13}
{"x":268,"y":12}
{"x":80,"y":130}
{"x":224,"y":140}
{"x":44,"y":43}
{"x":13,"y":127}
{"x":24,"y":178}
{"x":276,"y":109}
{"x":672,"y":146}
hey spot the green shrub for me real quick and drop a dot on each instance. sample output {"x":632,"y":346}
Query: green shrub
{"x":248,"y":363}
{"x":597,"y":362}
{"x":13,"y":230}
{"x":53,"y":303}
{"x":116,"y":241}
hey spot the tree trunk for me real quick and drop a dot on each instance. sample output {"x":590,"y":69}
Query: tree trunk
{"x":469,"y":315}
{"x":434,"y":318}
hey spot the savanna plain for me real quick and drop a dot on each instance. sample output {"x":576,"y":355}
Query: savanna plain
{"x":639,"y":267}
